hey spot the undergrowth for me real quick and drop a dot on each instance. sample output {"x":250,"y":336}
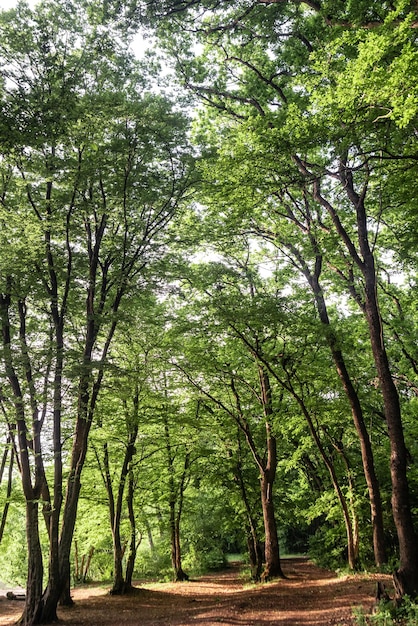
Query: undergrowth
{"x":387,"y":613}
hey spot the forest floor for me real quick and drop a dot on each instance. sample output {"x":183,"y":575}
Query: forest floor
{"x":309,"y":596}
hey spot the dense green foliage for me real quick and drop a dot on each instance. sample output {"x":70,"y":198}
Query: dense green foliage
{"x":224,"y":303}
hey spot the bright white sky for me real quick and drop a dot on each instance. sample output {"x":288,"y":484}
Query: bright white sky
{"x":137,"y":45}
{"x":8,"y":4}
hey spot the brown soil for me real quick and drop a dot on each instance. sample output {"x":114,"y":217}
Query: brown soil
{"x":310,"y":596}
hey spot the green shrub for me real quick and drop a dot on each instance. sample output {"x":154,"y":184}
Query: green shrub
{"x":154,"y":563}
{"x":388,"y":613}
{"x":199,"y":561}
{"x":327,"y":549}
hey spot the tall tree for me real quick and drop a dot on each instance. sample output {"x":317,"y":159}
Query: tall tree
{"x":241,"y":389}
{"x":116,"y":490}
{"x":302,"y":103}
{"x":94,"y":173}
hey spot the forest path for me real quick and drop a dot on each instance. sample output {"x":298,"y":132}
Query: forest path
{"x":310,"y":596}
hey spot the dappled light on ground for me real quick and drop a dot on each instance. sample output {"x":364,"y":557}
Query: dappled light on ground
{"x":310,"y":596}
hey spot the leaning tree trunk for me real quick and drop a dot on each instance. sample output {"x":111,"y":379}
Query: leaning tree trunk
{"x":406,"y":578}
{"x":313,"y":278}
{"x":70,"y":508}
{"x":352,"y":547}
{"x":373,"y":487}
{"x":9,"y":484}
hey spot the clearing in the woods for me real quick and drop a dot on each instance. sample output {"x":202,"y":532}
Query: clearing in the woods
{"x":310,"y":596}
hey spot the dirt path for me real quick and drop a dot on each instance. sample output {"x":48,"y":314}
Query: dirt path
{"x":310,"y":596}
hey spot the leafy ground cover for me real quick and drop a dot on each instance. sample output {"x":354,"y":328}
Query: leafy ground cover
{"x":310,"y":596}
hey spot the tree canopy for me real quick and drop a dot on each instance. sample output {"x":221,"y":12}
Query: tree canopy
{"x":208,"y":287}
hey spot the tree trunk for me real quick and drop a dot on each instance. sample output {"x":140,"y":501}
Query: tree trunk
{"x":65,"y":598}
{"x":179,"y":574}
{"x":255,"y":554}
{"x":118,"y":586}
{"x":272,"y":568}
{"x":56,"y":585}
{"x":32,"y":490}
{"x":362,"y":433}
{"x":33,"y":602}
{"x":175,"y":496}
{"x":267,"y":468}
{"x":313,"y":279}
{"x":149,"y":534}
{"x":362,"y":255}
{"x":253,"y":543}
{"x":130,"y":565}
{"x":352,"y":551}
{"x":407,"y":575}
{"x":69,"y":517}
{"x":9,"y":485}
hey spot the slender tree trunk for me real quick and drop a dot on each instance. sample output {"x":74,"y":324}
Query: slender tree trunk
{"x":352,"y":551}
{"x":253,"y":543}
{"x":406,"y":578}
{"x":130,"y":565}
{"x":59,"y":582}
{"x":149,"y":534}
{"x":9,"y":485}
{"x":176,"y":560}
{"x":272,"y":568}
{"x":54,"y":586}
{"x":71,"y":502}
{"x":255,"y":554}
{"x":120,"y":585}
{"x":32,"y":489}
{"x":367,"y":456}
{"x":267,"y":468}
{"x":264,"y":368}
{"x":88,"y":563}
{"x":179,"y":574}
{"x":350,"y":500}
{"x":313,"y":279}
